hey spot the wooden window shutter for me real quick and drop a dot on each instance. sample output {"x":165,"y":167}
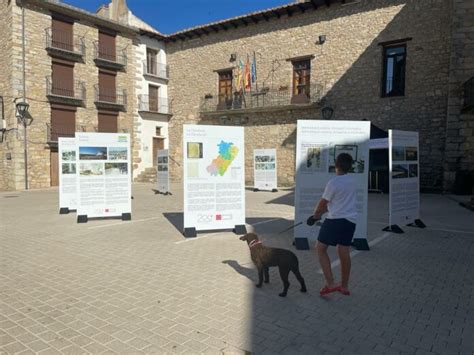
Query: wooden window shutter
{"x":108,"y":122}
{"x":63,"y":123}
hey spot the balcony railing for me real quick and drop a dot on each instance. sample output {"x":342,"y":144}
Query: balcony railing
{"x":111,"y":57}
{"x":265,"y":98}
{"x":107,"y":98}
{"x":65,"y":44}
{"x":468,"y":88}
{"x":63,"y":91}
{"x":154,"y":68}
{"x":53,"y":133}
{"x":155,"y":105}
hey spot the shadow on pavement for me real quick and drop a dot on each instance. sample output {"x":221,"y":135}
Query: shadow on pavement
{"x":176,"y":219}
{"x":288,"y":199}
{"x":244,"y":271}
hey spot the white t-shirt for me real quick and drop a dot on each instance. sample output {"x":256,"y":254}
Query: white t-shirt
{"x":340,"y":191}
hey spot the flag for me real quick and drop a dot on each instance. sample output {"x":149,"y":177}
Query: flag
{"x":254,"y":69}
{"x":247,"y":79}
{"x":240,"y":69}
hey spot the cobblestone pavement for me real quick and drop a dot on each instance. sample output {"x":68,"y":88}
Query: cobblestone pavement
{"x":139,"y":287}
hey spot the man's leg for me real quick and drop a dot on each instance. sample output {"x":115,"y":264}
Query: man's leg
{"x":345,"y":258}
{"x":325,"y":263}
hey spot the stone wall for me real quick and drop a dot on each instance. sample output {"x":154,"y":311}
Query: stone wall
{"x":38,"y":66}
{"x":460,"y":125}
{"x":5,"y":90}
{"x":348,"y":68}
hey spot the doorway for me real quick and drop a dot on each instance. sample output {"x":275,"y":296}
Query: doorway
{"x":158,"y":144}
{"x":54,"y":172}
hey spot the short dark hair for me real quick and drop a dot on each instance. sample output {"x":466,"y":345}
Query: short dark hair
{"x":344,"y":162}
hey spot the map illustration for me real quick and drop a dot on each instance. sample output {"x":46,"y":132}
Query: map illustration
{"x":227,"y":153}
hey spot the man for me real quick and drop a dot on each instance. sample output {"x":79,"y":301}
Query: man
{"x":339,"y":201}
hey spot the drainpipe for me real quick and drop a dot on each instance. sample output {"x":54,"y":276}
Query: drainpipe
{"x":25,"y":137}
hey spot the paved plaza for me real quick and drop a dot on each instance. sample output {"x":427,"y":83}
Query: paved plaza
{"x":139,"y":287}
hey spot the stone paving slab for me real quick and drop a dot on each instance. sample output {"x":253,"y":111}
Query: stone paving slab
{"x":139,"y":287}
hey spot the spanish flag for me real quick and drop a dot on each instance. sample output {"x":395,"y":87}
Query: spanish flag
{"x":247,"y":78}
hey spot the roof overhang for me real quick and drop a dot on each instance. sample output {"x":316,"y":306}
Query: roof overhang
{"x":79,"y":14}
{"x":252,"y":18}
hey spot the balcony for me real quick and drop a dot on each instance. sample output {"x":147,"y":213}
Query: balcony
{"x":468,"y":102}
{"x":65,"y":45}
{"x":265,"y":99}
{"x":110,"y":99}
{"x":149,"y":104}
{"x":66,"y":92}
{"x":156,"y":70}
{"x":53,"y":133}
{"x":110,"y":57}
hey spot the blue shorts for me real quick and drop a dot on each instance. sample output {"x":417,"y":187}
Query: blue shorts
{"x":337,"y":231}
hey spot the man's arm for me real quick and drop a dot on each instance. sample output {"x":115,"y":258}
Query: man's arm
{"x":321,"y":208}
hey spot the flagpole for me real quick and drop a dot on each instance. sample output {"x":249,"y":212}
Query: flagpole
{"x":256,"y":82}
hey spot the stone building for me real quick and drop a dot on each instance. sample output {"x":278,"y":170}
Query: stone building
{"x":153,"y":108}
{"x":79,"y":72}
{"x":401,"y":64}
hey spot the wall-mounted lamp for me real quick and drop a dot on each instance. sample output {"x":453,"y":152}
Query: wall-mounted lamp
{"x":327,"y":112}
{"x":233,"y":57}
{"x":321,"y":39}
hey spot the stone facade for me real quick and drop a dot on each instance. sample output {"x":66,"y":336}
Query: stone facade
{"x":347,"y":68}
{"x":38,"y":66}
{"x":459,"y":154}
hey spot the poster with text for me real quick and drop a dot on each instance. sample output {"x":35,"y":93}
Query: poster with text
{"x":318,"y":143}
{"x":162,"y":176}
{"x":404,"y":177}
{"x":265,"y":169}
{"x":67,"y":173}
{"x":214,"y":177}
{"x":104,"y":176}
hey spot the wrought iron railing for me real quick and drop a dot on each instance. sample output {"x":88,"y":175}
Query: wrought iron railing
{"x":157,"y":69}
{"x":468,"y":89}
{"x":53,"y":133}
{"x":65,"y":41}
{"x":110,"y":54}
{"x":107,"y":96}
{"x":75,"y":89}
{"x":263,"y":98}
{"x":151,"y":104}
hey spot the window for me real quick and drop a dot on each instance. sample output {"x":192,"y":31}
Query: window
{"x":151,"y":67}
{"x":158,"y":131}
{"x":225,"y":89}
{"x":301,"y":80}
{"x":107,"y":122}
{"x":153,"y":98}
{"x":107,"y":91}
{"x":394,"y":63}
{"x":63,"y":123}
{"x":107,"y":46}
{"x":61,"y":35}
{"x":62,"y":79}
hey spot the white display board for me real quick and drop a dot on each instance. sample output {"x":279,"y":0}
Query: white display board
{"x":214,"y":177}
{"x":318,"y":143}
{"x":404,"y":177}
{"x":67,"y":174}
{"x":104,"y":175}
{"x":162,"y":174}
{"x":265,"y":169}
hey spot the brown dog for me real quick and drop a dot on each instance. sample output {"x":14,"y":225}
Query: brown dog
{"x":264,"y":257}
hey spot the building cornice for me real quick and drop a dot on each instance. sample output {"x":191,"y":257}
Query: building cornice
{"x":79,"y":14}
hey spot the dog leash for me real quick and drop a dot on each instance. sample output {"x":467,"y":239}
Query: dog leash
{"x":310,"y":222}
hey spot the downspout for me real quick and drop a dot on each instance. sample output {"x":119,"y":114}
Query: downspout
{"x":25,"y":137}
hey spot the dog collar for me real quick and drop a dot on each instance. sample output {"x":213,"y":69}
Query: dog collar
{"x":254,"y":243}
